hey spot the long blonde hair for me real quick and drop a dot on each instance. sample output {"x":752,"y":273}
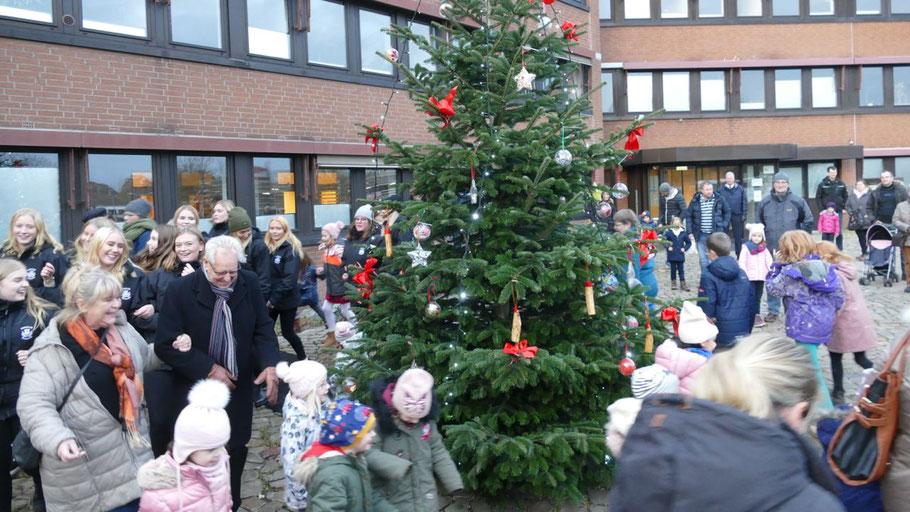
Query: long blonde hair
{"x":762,"y":374}
{"x":829,"y":253}
{"x":94,"y":258}
{"x":88,"y":283}
{"x":187,"y":207}
{"x":98,"y":222}
{"x":35,"y":306}
{"x":11,"y":248}
{"x":163,"y":256}
{"x":288,"y":237}
{"x":795,"y":246}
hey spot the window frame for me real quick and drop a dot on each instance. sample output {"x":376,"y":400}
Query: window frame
{"x":169,"y":32}
{"x":844,"y":11}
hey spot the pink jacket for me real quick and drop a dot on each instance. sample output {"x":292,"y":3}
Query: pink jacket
{"x":756,"y":266}
{"x":829,"y":223}
{"x":196,"y":489}
{"x":686,"y":365}
{"x":853,"y":327}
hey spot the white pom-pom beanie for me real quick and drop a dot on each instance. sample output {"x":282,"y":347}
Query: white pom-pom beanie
{"x":694,"y":326}
{"x":203,"y":424}
{"x":301,"y":376}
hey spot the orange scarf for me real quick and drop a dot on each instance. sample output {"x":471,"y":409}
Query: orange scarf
{"x":116,"y":355}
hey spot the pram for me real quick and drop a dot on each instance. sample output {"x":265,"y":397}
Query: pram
{"x":883,"y":255}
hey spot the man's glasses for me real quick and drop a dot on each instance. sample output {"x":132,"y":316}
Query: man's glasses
{"x":222,"y":273}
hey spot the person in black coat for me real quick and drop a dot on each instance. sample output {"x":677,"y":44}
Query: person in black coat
{"x":672,"y":204}
{"x":361,"y":238}
{"x":708,"y":213}
{"x":676,"y":252}
{"x":220,"y":219}
{"x":44,"y":258}
{"x":285,"y":251}
{"x":728,"y":290}
{"x":257,"y":254}
{"x":832,"y":190}
{"x":236,"y":354}
{"x":109,"y":250}
{"x":737,"y":199}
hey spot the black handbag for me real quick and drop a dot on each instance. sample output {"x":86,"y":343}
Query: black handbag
{"x":24,"y":453}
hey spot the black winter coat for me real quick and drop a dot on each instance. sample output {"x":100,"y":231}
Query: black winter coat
{"x":735,"y":198}
{"x":781,"y":213}
{"x":679,"y":243}
{"x":131,"y":295}
{"x":884,"y":201}
{"x":357,"y":252}
{"x":34,"y":259}
{"x":669,"y":208}
{"x":729,"y":303}
{"x":721,"y":218}
{"x":152,"y":291}
{"x":831,"y":191}
{"x":257,"y":261}
{"x":18,"y":331}
{"x":687,"y":455}
{"x":284,"y":270}
{"x":187,"y":308}
{"x":217,"y":230}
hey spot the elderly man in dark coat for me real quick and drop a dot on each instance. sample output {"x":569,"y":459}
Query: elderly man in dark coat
{"x":224,"y":314}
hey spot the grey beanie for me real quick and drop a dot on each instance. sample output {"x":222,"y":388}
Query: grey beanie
{"x":653,"y":380}
{"x":782,"y":176}
{"x":140,"y":207}
{"x":364,"y":211}
{"x":665,"y":188}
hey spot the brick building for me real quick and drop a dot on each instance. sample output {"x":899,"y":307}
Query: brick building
{"x":191,"y":101}
{"x":757,"y":86}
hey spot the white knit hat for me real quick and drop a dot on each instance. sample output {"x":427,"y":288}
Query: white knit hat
{"x":203,"y":424}
{"x":653,"y":380}
{"x":344,"y":331}
{"x":412,"y":395}
{"x":364,"y":211}
{"x":301,"y":376}
{"x":622,"y":416}
{"x":756,"y":228}
{"x":694,"y":326}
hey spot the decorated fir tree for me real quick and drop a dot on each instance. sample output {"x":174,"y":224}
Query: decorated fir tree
{"x":497,"y":259}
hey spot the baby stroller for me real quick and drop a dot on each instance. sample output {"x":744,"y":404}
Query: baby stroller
{"x":882,"y":260}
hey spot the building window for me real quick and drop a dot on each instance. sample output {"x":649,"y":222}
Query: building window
{"x":606,"y":92}
{"x":267,"y":28}
{"x":821,"y":7}
{"x":417,"y":55}
{"x":380,"y":183}
{"x":333,"y":197}
{"x":872,"y":169}
{"x":816,"y":173}
{"x":824,"y":90}
{"x":372,"y":40}
{"x":868,"y":7}
{"x":713,"y":92}
{"x":785,"y":8}
{"x":326,"y":40}
{"x":787,"y":88}
{"x":201,"y":183}
{"x":748,"y":8}
{"x":872,"y":91}
{"x":30,"y":179}
{"x":273,"y":191}
{"x":115,"y":180}
{"x":606,"y":10}
{"x":637,"y":9}
{"x":125,"y":17}
{"x":902,"y":85}
{"x":902,"y":169}
{"x":710,"y":8}
{"x":676,"y":91}
{"x":674,"y":8}
{"x":33,"y":10}
{"x":640,"y":92}
{"x":752,"y":90}
{"x":900,"y":6}
{"x":196,"y":22}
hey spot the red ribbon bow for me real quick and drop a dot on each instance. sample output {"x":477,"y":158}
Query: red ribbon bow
{"x":569,"y":31}
{"x":644,"y":246}
{"x":445,"y":108}
{"x":365,"y":277}
{"x":671,"y":315}
{"x":520,"y":349}
{"x":373,"y":133}
{"x":632,"y":142}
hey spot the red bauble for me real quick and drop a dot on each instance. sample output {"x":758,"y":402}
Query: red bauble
{"x":548,"y":2}
{"x":626,"y":366}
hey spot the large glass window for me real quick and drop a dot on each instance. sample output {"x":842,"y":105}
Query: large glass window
{"x":902,"y":168}
{"x":637,"y":9}
{"x":196,"y":22}
{"x":674,"y":8}
{"x":267,"y":28}
{"x":902,"y":85}
{"x":785,"y":8}
{"x":606,"y":92}
{"x":713,"y":92}
{"x":821,"y":7}
{"x":868,"y":6}
{"x":326,"y":40}
{"x":748,"y":7}
{"x":273,"y":190}
{"x":796,"y":179}
{"x":872,"y":91}
{"x":416,"y":54}
{"x":872,"y":169}
{"x":710,"y":8}
{"x":606,"y":10}
{"x":34,"y":10}
{"x":824,"y":90}
{"x":788,"y":88}
{"x":900,"y":6}
{"x":115,"y":180}
{"x":30,"y":179}
{"x":333,"y":197}
{"x":817,"y":172}
{"x":381,"y":183}
{"x":118,"y":16}
{"x":676,"y":91}
{"x":372,"y":40}
{"x":752,"y":90}
{"x":201,"y":183}
{"x":640,"y":92}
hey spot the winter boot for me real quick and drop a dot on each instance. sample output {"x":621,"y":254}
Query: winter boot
{"x":673,"y":284}
{"x":330,"y":340}
{"x":683,"y":286}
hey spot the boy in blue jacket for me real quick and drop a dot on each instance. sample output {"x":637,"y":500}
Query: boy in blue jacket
{"x":728,"y":291}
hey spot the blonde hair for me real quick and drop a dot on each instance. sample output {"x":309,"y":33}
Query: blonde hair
{"x":35,"y":306}
{"x":762,"y":374}
{"x":11,"y":248}
{"x":226,"y":203}
{"x":187,"y":231}
{"x":288,"y":237}
{"x":98,"y":222}
{"x":94,"y":258}
{"x":829,"y":253}
{"x":89,"y":284}
{"x":187,"y":207}
{"x":163,"y":256}
{"x":795,"y":246}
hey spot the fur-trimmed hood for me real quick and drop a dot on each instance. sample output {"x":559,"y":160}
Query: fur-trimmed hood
{"x":385,"y":413}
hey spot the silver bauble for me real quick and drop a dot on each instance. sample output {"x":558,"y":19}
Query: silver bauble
{"x":563,"y":157}
{"x":433,"y":309}
{"x":620,"y":191}
{"x":444,"y":9}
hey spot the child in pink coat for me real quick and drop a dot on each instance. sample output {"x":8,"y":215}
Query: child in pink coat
{"x":755,"y":259}
{"x":829,"y":223}
{"x":687,"y":354}
{"x":194,"y":475}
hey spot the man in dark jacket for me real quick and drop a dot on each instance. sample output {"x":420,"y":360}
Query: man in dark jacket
{"x":886,"y":197}
{"x":223,"y":312}
{"x":833,"y":190}
{"x":728,"y":291}
{"x":736,"y":198}
{"x":708,"y":213}
{"x":672,"y":204}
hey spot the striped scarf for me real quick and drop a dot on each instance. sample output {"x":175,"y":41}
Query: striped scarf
{"x":222,"y":345}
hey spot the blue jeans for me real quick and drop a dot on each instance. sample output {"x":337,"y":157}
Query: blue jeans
{"x":701,"y":240}
{"x":132,"y":506}
{"x":773,"y":304}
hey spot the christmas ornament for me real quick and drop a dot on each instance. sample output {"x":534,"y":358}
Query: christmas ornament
{"x":524,"y":79}
{"x":372,"y":136}
{"x":569,"y":30}
{"x":604,"y":209}
{"x":563,"y":157}
{"x":422,"y":231}
{"x":392,"y":54}
{"x":516,"y":324}
{"x":349,"y":385}
{"x":419,"y":256}
{"x":433,"y":309}
{"x":472,"y":193}
{"x":620,"y":191}
{"x":520,"y":349}
{"x":365,"y":277}
{"x":608,"y":283}
{"x":445,"y":108}
{"x":649,"y":338}
{"x":548,"y":2}
{"x":387,"y":237}
{"x":646,"y":247}
{"x":589,"y":293}
{"x":543,"y":22}
{"x":444,"y":9}
{"x":631,"y":322}
{"x":632,"y":142}
{"x":626,"y":366}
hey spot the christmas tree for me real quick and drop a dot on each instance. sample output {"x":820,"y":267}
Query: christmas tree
{"x":497,"y":259}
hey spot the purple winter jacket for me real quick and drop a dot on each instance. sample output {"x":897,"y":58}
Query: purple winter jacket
{"x":812,"y":295}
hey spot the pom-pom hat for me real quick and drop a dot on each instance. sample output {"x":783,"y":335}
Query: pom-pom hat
{"x":412,"y":394}
{"x":345,"y":423}
{"x":203,"y":424}
{"x":344,"y":331}
{"x":653,"y":380}
{"x":694,"y":326}
{"x":301,"y":376}
{"x":333,"y":228}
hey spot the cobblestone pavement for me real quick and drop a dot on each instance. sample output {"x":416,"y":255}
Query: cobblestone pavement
{"x":263,"y":480}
